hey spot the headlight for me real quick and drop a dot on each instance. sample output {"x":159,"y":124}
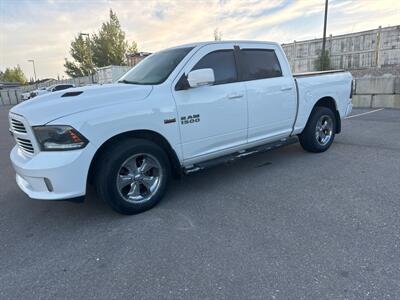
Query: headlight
{"x":59,"y":137}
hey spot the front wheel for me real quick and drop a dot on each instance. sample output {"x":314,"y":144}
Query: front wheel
{"x":319,"y":133}
{"x":132,"y":176}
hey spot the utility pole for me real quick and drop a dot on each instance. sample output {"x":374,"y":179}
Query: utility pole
{"x":324,"y":37}
{"x":90,"y":51}
{"x":34,"y":70}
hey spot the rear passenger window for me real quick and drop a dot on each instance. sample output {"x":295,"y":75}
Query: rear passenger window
{"x":259,"y":64}
{"x":223,"y":64}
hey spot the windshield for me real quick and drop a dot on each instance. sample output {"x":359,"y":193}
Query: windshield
{"x":156,"y":68}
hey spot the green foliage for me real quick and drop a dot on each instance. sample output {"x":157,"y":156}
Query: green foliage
{"x":133,"y":48}
{"x":81,"y":52}
{"x":107,"y":47}
{"x":13,"y":75}
{"x":323,"y":62}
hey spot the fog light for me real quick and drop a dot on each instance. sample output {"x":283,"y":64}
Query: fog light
{"x":48,"y":184}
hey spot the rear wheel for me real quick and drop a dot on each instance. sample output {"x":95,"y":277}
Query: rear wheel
{"x":132,"y":176}
{"x":319,"y":133}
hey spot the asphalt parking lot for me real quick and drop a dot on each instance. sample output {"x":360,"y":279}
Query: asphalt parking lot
{"x":285,"y":224}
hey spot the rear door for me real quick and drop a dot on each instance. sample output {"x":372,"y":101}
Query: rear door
{"x":212,"y":118}
{"x":271,"y":92}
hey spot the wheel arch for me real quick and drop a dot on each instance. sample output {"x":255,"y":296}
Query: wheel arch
{"x":140,"y":134}
{"x":330,"y":102}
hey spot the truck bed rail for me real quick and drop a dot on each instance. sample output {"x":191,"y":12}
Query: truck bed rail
{"x":315,"y":73}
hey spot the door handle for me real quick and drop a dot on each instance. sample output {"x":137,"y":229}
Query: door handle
{"x":235,"y":96}
{"x":286,"y":88}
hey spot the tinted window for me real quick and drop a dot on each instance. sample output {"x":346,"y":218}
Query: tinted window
{"x":223,"y":64}
{"x":155,"y":68}
{"x":260,"y":64}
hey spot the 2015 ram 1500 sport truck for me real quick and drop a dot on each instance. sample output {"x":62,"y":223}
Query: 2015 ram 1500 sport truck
{"x":179,"y":109}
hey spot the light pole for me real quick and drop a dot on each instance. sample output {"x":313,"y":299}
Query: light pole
{"x":324,"y":37}
{"x":34,"y":70}
{"x":90,"y":53}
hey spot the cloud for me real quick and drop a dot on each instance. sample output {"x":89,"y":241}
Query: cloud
{"x":42,"y":30}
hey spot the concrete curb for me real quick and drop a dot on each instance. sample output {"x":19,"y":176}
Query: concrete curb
{"x":377,"y":101}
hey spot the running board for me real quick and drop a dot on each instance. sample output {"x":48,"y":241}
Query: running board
{"x":240,"y":154}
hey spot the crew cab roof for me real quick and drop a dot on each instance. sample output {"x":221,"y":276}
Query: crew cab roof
{"x":222,"y":42}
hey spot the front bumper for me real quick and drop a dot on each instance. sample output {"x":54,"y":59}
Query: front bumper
{"x":56,"y":175}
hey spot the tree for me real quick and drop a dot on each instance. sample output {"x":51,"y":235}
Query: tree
{"x":14,"y":75}
{"x":323,"y":62}
{"x":217,"y":35}
{"x":109,"y":45}
{"x":81,"y":52}
{"x":133,"y":48}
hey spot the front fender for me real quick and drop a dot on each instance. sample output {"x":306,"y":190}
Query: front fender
{"x":101,"y":124}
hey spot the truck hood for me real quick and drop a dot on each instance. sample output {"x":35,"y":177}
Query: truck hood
{"x":43,"y":109}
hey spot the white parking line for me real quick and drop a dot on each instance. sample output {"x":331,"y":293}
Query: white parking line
{"x":366,"y":113}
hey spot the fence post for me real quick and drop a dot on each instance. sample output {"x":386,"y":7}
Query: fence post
{"x":377,"y":48}
{"x":294,"y":56}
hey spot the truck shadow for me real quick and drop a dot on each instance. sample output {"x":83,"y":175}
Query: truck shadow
{"x":204,"y":183}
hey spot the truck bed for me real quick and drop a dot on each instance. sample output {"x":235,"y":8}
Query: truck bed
{"x":311,"y":86}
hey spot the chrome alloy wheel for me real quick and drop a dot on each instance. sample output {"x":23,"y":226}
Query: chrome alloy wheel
{"x":139,"y":178}
{"x":324,"y":130}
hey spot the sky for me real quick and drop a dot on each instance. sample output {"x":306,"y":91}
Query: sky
{"x":43,"y":29}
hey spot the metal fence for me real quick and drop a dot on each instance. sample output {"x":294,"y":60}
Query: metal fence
{"x":108,"y":74}
{"x":13,"y":95}
{"x":367,"y":49}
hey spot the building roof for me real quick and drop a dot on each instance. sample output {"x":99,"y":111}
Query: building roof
{"x":138,"y":54}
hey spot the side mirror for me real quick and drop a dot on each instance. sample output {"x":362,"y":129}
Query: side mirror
{"x":201,"y":77}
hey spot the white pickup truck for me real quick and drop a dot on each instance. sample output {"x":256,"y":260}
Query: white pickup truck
{"x":177,"y":111}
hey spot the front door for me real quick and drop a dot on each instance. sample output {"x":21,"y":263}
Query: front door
{"x":212,"y":118}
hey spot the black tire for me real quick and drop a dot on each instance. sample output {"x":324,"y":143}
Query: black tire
{"x":109,"y":169}
{"x":308,"y":138}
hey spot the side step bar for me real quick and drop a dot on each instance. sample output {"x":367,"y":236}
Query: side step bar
{"x":237,"y":155}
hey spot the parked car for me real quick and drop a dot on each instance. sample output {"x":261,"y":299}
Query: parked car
{"x":25,"y":96}
{"x":50,"y":89}
{"x":59,"y":87}
{"x":178,"y":111}
{"x":38,"y":92}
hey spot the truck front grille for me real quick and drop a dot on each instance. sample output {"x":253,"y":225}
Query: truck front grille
{"x":17,"y":126}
